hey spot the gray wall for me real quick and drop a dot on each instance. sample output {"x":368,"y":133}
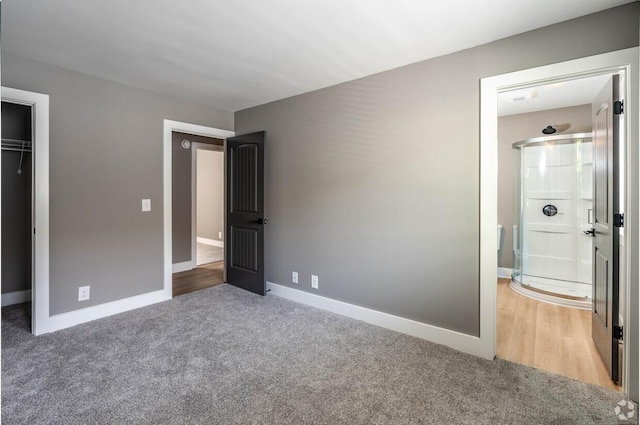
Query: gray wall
{"x":373,"y":185}
{"x":518,"y":127}
{"x":105,"y":156}
{"x":180,"y":198}
{"x":210,"y":189}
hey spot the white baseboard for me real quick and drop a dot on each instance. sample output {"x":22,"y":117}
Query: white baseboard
{"x":504,"y":272}
{"x":459,"y":341}
{"x":184,"y":266}
{"x":17,"y":297}
{"x":211,"y":242}
{"x":77,"y":317}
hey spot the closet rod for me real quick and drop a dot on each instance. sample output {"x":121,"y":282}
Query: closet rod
{"x":14,"y":145}
{"x":28,"y":150}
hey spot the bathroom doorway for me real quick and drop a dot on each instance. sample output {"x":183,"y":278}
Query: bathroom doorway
{"x":545,"y":295}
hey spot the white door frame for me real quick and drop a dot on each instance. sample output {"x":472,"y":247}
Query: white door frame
{"x":626,"y":61}
{"x":182,"y":127}
{"x":40,"y":209}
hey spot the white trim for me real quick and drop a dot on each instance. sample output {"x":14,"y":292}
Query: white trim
{"x":76,"y":317}
{"x":183,"y":267}
{"x":459,"y":341}
{"x":168,"y":127}
{"x":212,"y":242}
{"x":505,"y":272}
{"x":40,"y":281}
{"x":16,"y":297}
{"x":622,"y":60}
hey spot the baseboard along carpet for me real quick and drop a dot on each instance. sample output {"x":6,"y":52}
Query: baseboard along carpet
{"x":225,"y":356}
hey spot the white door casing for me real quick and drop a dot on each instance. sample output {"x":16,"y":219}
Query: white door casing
{"x":625,"y":62}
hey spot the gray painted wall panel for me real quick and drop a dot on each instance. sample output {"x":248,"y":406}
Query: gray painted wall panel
{"x":105,"y":156}
{"x":514,"y":128}
{"x":373,"y":185}
{"x":181,"y":199}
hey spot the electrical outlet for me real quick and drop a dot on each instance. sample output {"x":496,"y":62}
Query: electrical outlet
{"x":83,"y":293}
{"x":219,"y":235}
{"x":294,"y":277}
{"x":146,"y":205}
{"x":314,"y":281}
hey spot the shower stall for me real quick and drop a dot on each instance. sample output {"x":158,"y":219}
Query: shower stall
{"x":553,"y":214}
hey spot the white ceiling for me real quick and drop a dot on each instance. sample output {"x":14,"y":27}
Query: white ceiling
{"x":242,"y":53}
{"x":551,"y":96}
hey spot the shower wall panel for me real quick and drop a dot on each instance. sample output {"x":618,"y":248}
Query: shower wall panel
{"x":550,"y":240}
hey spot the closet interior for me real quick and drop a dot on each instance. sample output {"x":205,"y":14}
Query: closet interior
{"x":17,"y":200}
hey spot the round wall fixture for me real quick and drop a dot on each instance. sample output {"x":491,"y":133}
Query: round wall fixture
{"x":186,"y":144}
{"x":549,"y":210}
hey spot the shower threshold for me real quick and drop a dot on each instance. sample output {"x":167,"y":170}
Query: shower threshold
{"x":551,"y":294}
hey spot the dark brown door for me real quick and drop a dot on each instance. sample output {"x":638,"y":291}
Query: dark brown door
{"x":245,"y":212}
{"x":605,"y":235}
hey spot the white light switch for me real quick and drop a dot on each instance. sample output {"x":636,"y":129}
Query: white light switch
{"x":146,"y":205}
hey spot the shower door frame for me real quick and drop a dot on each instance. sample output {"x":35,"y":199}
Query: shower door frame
{"x":623,"y":61}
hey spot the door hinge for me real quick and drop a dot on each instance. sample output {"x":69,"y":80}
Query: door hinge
{"x":618,"y":107}
{"x":618,"y":220}
{"x":618,"y":333}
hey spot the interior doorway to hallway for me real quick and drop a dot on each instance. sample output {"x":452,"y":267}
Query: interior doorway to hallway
{"x":197,"y":212}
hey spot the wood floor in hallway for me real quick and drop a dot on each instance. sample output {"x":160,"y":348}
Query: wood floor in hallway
{"x":548,"y":337}
{"x":201,"y":277}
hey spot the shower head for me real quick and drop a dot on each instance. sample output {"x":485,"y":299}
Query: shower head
{"x":549,"y":130}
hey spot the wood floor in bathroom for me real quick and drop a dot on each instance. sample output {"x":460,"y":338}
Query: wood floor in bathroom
{"x":548,"y":337}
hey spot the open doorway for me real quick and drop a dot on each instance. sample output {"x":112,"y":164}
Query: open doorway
{"x":209,"y":203}
{"x":545,"y":306}
{"x":545,"y":211}
{"x":198,"y":212}
{"x":621,"y":64}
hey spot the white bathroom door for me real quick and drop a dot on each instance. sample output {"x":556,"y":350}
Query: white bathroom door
{"x":605,"y":234}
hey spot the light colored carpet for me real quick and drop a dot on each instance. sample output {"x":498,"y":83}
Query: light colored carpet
{"x":209,"y":254}
{"x":225,"y":356}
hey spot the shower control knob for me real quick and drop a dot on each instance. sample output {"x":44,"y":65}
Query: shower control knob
{"x":591,"y":232}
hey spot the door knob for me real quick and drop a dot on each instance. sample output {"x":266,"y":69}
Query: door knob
{"x":261,"y":221}
{"x":591,"y":232}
